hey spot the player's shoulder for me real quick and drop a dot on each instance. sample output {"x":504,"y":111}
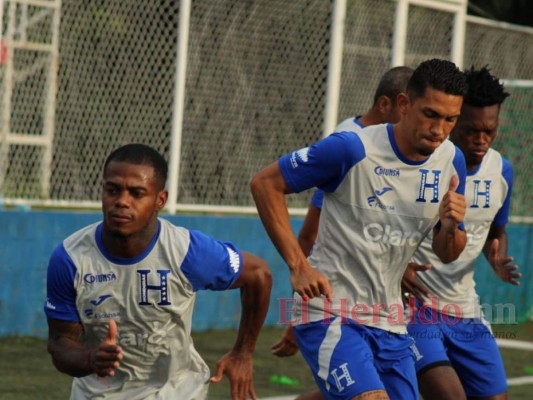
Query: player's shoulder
{"x":173,"y":233}
{"x":84,"y":235}
{"x":351,"y":124}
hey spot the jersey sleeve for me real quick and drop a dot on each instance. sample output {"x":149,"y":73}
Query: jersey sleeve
{"x":502,"y":217}
{"x":60,"y":292}
{"x":210,"y":264}
{"x":459,"y":164}
{"x":318,"y":198}
{"x":324,"y":164}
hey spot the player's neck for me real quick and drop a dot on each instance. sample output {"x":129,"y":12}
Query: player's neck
{"x":127,"y":246}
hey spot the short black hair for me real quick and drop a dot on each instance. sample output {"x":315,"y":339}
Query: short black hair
{"x":442,"y":75}
{"x":141,"y":154}
{"x":484,"y":89}
{"x":392,"y":83}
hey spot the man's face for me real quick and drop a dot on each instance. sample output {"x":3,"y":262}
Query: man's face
{"x":475,"y":131}
{"x":131,"y":198}
{"x":430,"y":119}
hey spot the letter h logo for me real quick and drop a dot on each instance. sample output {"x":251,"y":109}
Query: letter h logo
{"x":145,"y":287}
{"x":477,"y":193}
{"x":344,"y":375}
{"x":425,"y":185}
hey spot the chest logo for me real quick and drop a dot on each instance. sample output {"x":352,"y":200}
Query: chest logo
{"x":145,"y":288}
{"x":479,"y":193}
{"x":100,"y":299}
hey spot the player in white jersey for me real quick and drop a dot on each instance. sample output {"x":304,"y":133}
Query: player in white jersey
{"x":384,"y":110}
{"x":385,"y":189}
{"x":458,"y":356}
{"x":120,"y":294}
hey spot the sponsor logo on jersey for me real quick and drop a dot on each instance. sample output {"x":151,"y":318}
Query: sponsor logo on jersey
{"x":49,"y":305}
{"x":380,"y":171}
{"x":234,"y":261}
{"x":89,"y":313}
{"x":99,"y":278}
{"x":374,"y":202}
{"x":101,"y":299}
{"x":299,"y":156}
{"x":375,"y":232}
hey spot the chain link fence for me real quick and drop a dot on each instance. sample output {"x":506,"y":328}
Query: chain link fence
{"x":104,"y":74}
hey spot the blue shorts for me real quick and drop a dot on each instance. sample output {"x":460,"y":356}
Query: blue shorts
{"x":347,"y":359}
{"x":467,"y":344}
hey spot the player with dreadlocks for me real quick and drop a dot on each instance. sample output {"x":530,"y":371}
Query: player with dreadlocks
{"x":457,"y":354}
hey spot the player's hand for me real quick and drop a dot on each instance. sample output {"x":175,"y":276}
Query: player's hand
{"x":238,"y":367}
{"x":310,"y":283}
{"x":507,"y":272}
{"x":413,"y":286}
{"x":286,"y":346}
{"x":106,"y":358}
{"x":452,"y":208}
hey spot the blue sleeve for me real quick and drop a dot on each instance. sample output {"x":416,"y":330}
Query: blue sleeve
{"x":324,"y":164}
{"x":502,"y":217}
{"x":210,"y":264}
{"x":318,"y":198}
{"x":459,"y":164}
{"x":60,"y":291}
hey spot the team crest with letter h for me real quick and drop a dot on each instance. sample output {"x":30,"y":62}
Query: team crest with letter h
{"x":153,"y":287}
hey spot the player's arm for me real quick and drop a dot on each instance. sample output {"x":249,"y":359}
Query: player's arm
{"x":255,"y":283}
{"x":66,"y":348}
{"x":449,"y":240}
{"x":71,"y":357}
{"x":495,"y":250}
{"x":309,"y":230}
{"x":269,"y":189}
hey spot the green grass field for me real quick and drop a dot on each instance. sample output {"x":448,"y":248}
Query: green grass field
{"x":26,"y":372}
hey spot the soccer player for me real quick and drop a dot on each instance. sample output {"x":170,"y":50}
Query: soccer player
{"x":384,"y":110}
{"x":120,"y":294}
{"x":458,"y":356}
{"x":385,"y":189}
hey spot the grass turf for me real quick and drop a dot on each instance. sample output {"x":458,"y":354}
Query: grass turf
{"x":27,"y":373}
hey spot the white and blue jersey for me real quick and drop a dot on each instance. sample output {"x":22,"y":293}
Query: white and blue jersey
{"x":352,"y":124}
{"x":151,"y":297}
{"x":378,"y":207}
{"x":488,"y":199}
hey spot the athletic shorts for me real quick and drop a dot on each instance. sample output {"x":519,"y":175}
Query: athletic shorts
{"x":466,"y":344}
{"x":347,"y":359}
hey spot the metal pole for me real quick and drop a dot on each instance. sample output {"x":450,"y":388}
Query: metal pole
{"x":7,"y":95}
{"x":50,"y":106}
{"x":459,"y":33}
{"x":400,"y":33}
{"x":334,"y":67}
{"x":179,"y":105}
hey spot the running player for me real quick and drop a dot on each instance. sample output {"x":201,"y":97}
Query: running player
{"x":384,"y":110}
{"x":458,"y":356}
{"x":385,"y":189}
{"x":121,"y":294}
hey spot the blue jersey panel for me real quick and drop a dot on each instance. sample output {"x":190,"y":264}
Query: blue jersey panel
{"x":210,"y":264}
{"x":502,"y":217}
{"x":459,"y":163}
{"x":318,"y":198}
{"x":61,"y":295}
{"x":324,"y":164}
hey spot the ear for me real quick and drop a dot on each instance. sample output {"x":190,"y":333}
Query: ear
{"x":384,"y":105}
{"x":161,"y":200}
{"x":402,"y":102}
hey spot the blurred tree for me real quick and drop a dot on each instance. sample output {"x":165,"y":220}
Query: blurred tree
{"x":513,"y":11}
